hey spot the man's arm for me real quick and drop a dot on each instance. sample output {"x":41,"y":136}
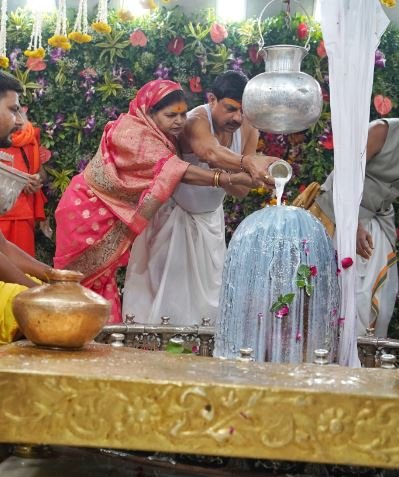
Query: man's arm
{"x":199,"y":139}
{"x":250,"y":136}
{"x":377,"y":135}
{"x":15,"y":263}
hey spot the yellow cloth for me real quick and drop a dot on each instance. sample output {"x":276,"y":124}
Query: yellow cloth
{"x":306,"y":200}
{"x":8,"y":325}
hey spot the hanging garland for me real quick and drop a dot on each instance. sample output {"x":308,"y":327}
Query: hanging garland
{"x":79,"y":33}
{"x":35,"y":48}
{"x":101,"y":23}
{"x":4,"y":61}
{"x":60,"y":39}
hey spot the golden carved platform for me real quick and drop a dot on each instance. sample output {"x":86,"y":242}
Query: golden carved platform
{"x":130,"y":399}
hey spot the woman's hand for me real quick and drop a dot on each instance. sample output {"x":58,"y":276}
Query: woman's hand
{"x":364,"y":242}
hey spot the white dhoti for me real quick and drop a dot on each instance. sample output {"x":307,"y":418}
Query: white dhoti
{"x":377,"y":284}
{"x":176,"y":267}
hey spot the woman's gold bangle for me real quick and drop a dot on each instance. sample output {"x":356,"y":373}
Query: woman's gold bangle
{"x":216,"y":178}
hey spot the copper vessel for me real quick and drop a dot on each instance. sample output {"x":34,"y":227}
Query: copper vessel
{"x":61,"y":313}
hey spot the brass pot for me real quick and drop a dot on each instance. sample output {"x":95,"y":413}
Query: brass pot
{"x":61,"y":313}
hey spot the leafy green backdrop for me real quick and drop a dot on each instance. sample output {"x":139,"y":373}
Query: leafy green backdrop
{"x":76,"y":92}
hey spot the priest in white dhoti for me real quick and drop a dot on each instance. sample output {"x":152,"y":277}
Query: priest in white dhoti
{"x":176,"y":265}
{"x":376,"y":271}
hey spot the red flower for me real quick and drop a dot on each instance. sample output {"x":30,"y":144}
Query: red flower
{"x":302,"y":187}
{"x":36,"y":64}
{"x":283,"y":311}
{"x":346,"y":262}
{"x":274,"y":150}
{"x":382,"y":104}
{"x":327,"y":141}
{"x":326,"y":95}
{"x":302,"y":31}
{"x":321,"y":50}
{"x":195,"y":84}
{"x":313,"y":270}
{"x":138,"y":38}
{"x":176,"y":46}
{"x":218,"y":33}
{"x":254,"y":55}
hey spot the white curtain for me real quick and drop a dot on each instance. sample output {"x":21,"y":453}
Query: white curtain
{"x":351,"y":30}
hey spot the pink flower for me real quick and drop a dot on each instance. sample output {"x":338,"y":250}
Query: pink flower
{"x":176,"y":46}
{"x":313,"y":270}
{"x":298,"y":337}
{"x":321,"y":50}
{"x":218,"y":33}
{"x":283,"y":311}
{"x":36,"y":64}
{"x":346,"y":262}
{"x":302,"y":31}
{"x":138,"y":38}
{"x":382,"y":104}
{"x":254,"y":55}
{"x":195,"y":84}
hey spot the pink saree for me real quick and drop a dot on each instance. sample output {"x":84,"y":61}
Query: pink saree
{"x":134,"y":171}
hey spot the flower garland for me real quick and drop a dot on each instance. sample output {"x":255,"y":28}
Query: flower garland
{"x":79,"y":33}
{"x":4,"y":61}
{"x":35,"y":48}
{"x":101,"y":23}
{"x":60,"y":39}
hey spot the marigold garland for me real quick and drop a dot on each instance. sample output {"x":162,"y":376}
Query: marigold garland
{"x":35,"y":53}
{"x":59,"y":41}
{"x":60,"y":38}
{"x":79,"y":33}
{"x":4,"y":62}
{"x":80,"y":37}
{"x":100,"y":25}
{"x":35,"y":48}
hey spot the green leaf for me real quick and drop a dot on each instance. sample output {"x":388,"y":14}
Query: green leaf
{"x":276,"y":306}
{"x":301,"y":283}
{"x":304,"y":271}
{"x":288,"y":298}
{"x":309,"y":289}
{"x":175,"y":348}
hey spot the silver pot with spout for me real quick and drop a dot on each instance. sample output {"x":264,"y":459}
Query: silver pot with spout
{"x":283,"y":99}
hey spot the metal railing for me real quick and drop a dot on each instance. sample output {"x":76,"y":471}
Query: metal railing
{"x":374,"y":352}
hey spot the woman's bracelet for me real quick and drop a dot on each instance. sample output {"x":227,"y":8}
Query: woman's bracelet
{"x":216,"y":178}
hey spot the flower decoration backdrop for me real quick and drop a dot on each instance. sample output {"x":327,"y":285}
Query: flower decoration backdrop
{"x":71,"y":92}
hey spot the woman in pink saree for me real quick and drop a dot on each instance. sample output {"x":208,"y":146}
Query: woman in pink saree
{"x":134,"y":171}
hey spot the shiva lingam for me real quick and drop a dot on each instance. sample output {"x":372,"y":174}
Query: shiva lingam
{"x":283,"y":99}
{"x":61,"y":313}
{"x":280,"y":293}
